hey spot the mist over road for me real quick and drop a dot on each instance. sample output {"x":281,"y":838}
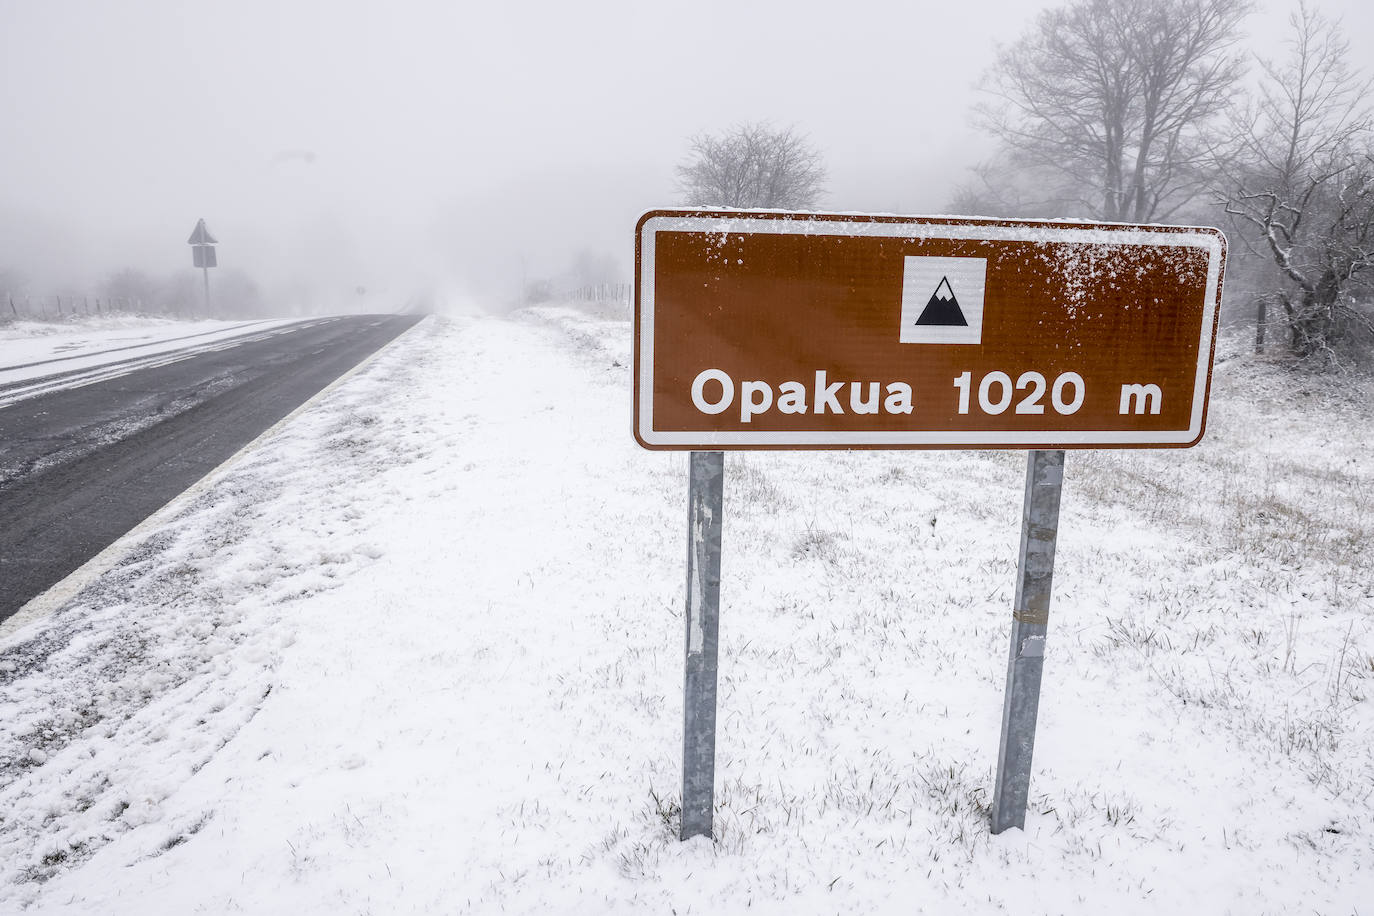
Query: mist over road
{"x":80,"y":467}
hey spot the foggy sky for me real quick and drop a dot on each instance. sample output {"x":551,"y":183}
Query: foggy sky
{"x":339,"y":144}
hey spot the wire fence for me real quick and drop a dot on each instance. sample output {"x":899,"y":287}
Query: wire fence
{"x":614,"y":293}
{"x":58,"y":308}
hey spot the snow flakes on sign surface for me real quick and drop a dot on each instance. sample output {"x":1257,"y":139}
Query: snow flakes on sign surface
{"x":1090,"y":270}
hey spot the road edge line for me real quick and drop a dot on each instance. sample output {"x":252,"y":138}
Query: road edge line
{"x":60,"y":593}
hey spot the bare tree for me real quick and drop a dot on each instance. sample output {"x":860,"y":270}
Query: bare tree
{"x":1302,"y":186}
{"x":752,"y":165}
{"x":1114,"y":103}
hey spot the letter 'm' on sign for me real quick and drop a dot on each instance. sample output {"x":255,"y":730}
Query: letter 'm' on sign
{"x":805,"y":330}
{"x":1139,"y":398}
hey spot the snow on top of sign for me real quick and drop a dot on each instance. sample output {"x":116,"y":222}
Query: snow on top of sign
{"x":804,"y":216}
{"x":746,"y":212}
{"x":726,"y":223}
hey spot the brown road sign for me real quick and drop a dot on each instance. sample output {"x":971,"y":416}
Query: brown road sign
{"x":806,"y":330}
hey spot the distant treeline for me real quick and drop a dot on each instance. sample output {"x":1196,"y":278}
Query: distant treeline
{"x":233,"y":293}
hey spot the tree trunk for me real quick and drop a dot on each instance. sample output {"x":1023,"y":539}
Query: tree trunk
{"x":1312,"y":323}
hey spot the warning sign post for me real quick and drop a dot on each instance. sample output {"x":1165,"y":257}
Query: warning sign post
{"x":772,"y":330}
{"x":203,"y":254}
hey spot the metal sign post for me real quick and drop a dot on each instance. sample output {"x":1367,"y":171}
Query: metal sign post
{"x":705,"y":500}
{"x":1029,"y":624}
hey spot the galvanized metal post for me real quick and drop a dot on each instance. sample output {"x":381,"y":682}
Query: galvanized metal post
{"x":705,"y":494}
{"x":1030,"y":622}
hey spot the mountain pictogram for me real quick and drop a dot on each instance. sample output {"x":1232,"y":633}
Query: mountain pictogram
{"x":943,"y":308}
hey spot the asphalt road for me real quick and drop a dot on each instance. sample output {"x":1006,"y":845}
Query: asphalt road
{"x":81,"y":467}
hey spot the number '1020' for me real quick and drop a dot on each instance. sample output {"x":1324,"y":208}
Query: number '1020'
{"x":996,"y":392}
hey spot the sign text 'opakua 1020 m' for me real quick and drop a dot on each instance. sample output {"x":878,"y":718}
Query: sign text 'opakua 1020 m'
{"x":787,"y":330}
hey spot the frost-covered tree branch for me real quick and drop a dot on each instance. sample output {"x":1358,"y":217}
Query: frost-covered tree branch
{"x":1302,"y":183}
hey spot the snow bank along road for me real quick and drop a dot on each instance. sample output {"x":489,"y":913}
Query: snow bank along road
{"x":420,"y":651}
{"x":91,"y":450}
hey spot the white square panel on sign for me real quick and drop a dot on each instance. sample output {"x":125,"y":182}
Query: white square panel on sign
{"x":942,"y":300}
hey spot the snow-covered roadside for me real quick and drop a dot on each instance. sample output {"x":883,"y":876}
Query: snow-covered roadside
{"x":89,"y":352}
{"x":99,"y":324}
{"x":31,"y":349}
{"x":421,"y":651}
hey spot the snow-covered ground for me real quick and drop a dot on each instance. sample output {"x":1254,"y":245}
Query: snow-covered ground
{"x":49,"y":356}
{"x":420,"y":650}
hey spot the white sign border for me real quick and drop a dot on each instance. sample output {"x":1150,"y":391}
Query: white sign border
{"x":726,"y":224}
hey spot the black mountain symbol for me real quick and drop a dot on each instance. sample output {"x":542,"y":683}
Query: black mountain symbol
{"x":943,"y":308}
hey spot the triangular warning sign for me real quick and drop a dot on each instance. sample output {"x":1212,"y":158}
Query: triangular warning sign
{"x":943,"y":308}
{"x":200,"y":235}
